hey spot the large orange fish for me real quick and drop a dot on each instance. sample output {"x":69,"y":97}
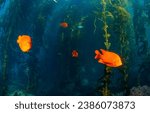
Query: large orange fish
{"x":110,"y":59}
{"x":25,"y":43}
{"x":75,"y":53}
{"x":64,"y":24}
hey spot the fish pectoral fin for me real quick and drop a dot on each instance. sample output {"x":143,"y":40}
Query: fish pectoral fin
{"x":106,"y":63}
{"x":109,"y":64}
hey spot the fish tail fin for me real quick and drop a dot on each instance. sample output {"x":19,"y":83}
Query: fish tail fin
{"x":101,"y":61}
{"x":18,"y":40}
{"x":98,"y":54}
{"x":103,"y":51}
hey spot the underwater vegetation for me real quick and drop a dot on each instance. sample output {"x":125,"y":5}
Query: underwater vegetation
{"x":74,"y":47}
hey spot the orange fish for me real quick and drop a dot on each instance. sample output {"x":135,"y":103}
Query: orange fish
{"x":110,"y":59}
{"x":75,"y":53}
{"x":64,"y":24}
{"x":25,"y":42}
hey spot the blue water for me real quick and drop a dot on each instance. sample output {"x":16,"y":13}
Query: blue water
{"x":49,"y":68}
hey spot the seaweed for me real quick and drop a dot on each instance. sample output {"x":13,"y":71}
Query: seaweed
{"x":121,"y":26}
{"x":104,"y":87}
{"x":121,"y":21}
{"x":140,"y":34}
{"x":8,"y":32}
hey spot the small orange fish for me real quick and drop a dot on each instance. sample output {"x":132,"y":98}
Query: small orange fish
{"x":64,"y":24}
{"x":25,"y":42}
{"x":75,"y":53}
{"x":110,"y":59}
